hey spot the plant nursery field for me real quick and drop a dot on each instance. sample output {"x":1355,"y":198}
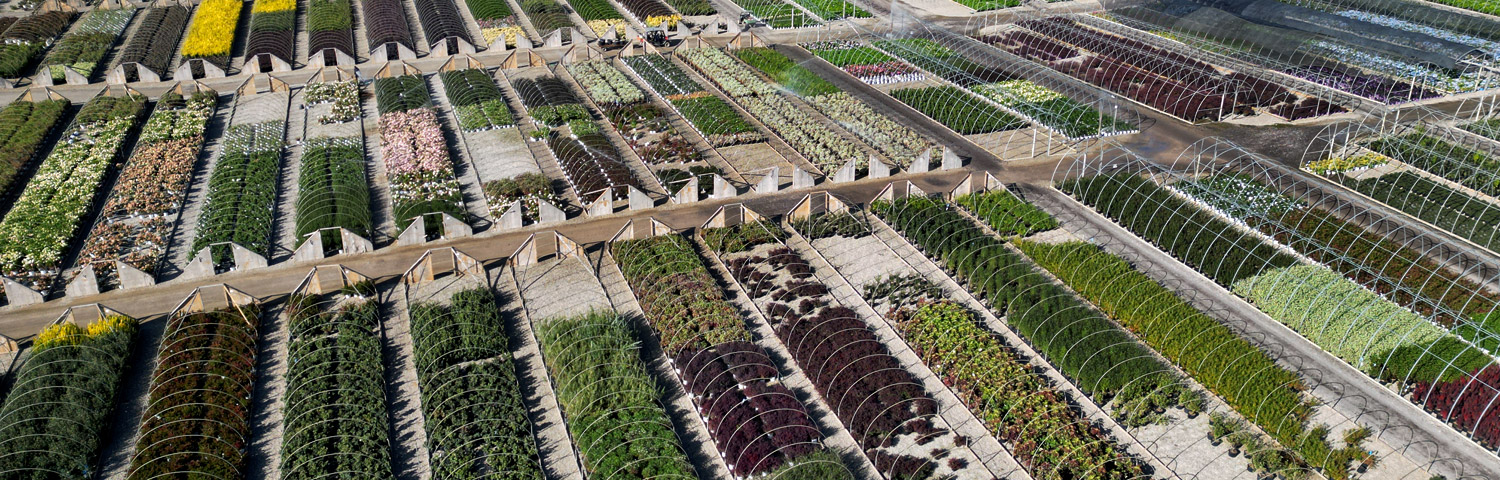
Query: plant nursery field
{"x":749,"y":240}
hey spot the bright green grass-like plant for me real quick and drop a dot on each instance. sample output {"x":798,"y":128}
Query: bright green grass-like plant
{"x":958,"y":109}
{"x":1247,"y":378}
{"x":610,"y":398}
{"x":783,"y":70}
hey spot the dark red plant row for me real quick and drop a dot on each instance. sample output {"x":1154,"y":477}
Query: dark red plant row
{"x":197,"y":418}
{"x":758,"y":423}
{"x":385,"y":22}
{"x":643,"y":9}
{"x":1470,"y":403}
{"x":865,"y":385}
{"x":1164,"y":79}
{"x":440,"y":19}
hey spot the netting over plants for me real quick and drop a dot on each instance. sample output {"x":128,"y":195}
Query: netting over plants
{"x":155,"y":40}
{"x":477,"y":100}
{"x":609,"y":399}
{"x":272,"y":30}
{"x":330,"y":24}
{"x":415,"y":152}
{"x":86,"y":44}
{"x":1376,"y":334}
{"x":385,"y":22}
{"x":242,"y":191}
{"x":758,"y":424}
{"x":26,"y":39}
{"x":52,"y":425}
{"x":334,"y":407}
{"x":1428,"y":171}
{"x":331,"y":190}
{"x":441,"y":20}
{"x":472,"y":402}
{"x":197,"y":418}
{"x":884,"y":406}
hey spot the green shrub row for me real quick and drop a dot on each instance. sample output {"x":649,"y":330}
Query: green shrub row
{"x":1245,"y":377}
{"x":610,"y":399}
{"x":332,"y":190}
{"x":472,"y":403}
{"x":1097,"y":355}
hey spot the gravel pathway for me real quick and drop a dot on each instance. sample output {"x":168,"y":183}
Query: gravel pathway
{"x":263,"y":455}
{"x":559,"y":459}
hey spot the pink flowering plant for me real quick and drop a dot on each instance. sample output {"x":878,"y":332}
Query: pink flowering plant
{"x":417,"y":162}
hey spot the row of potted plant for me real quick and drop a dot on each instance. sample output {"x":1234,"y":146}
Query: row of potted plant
{"x":724,"y":71}
{"x":136,"y":222}
{"x":1247,"y":378}
{"x":1468,"y":166}
{"x":477,"y":101}
{"x":331,"y":188}
{"x":87,"y":43}
{"x":155,"y":40}
{"x":651,"y":135}
{"x":334,"y":407}
{"x":496,"y":19}
{"x":757,"y":423}
{"x":531,"y":189}
{"x":610,"y":398}
{"x":27,"y":38}
{"x":1373,"y":334}
{"x":895,"y":141}
{"x":473,"y":408}
{"x":23,"y":126}
{"x":65,"y":391}
{"x":605,"y":84}
{"x":36,"y":232}
{"x":1397,"y":272}
{"x":211,"y":34}
{"x":417,"y":161}
{"x":272,"y":29}
{"x":241,"y":200}
{"x":879,"y":402}
{"x":197,"y":417}
{"x":1448,"y":208}
{"x":345,"y":97}
{"x":1119,"y":372}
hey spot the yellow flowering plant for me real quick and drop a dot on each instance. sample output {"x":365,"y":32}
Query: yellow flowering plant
{"x":667,"y":21}
{"x":60,"y":334}
{"x":212,"y":31}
